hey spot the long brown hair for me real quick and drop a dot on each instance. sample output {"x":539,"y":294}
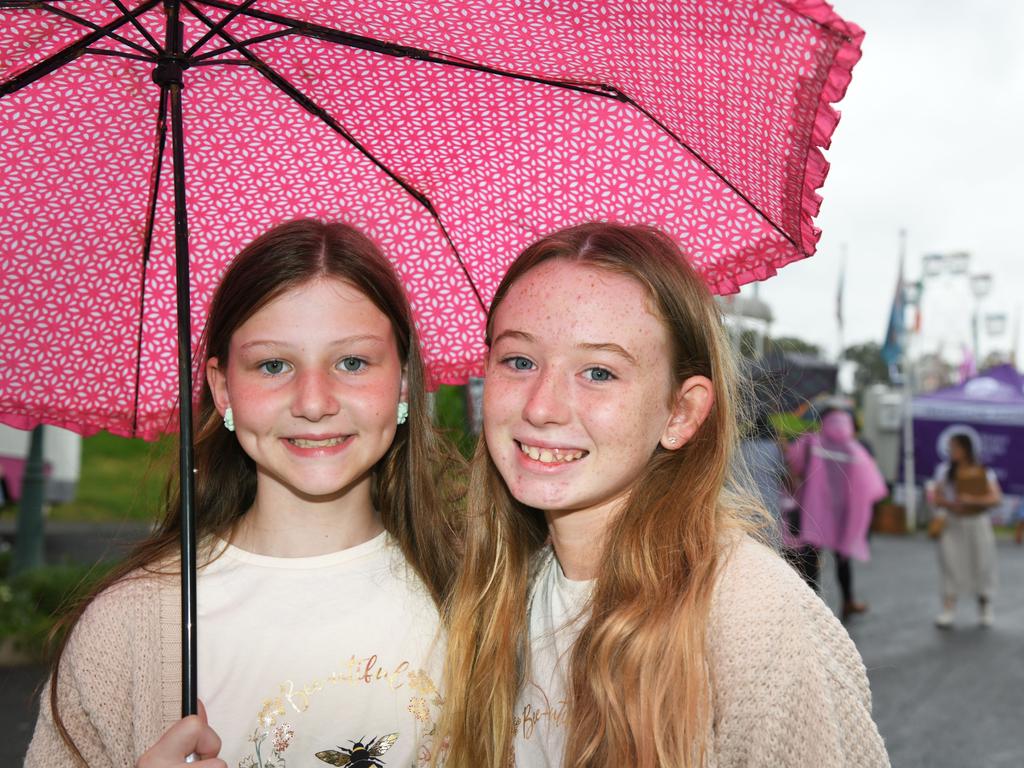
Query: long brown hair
{"x":416,"y":482}
{"x":638,"y":679}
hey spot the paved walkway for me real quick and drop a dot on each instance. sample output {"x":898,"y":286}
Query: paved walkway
{"x":942,"y":699}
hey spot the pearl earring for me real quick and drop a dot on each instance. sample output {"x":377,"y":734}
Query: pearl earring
{"x":403,"y":412}
{"x":229,"y":419}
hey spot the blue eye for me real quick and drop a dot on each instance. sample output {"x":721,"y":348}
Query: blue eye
{"x":599,"y":374}
{"x":273,"y":367}
{"x":352,"y":364}
{"x":518,"y":363}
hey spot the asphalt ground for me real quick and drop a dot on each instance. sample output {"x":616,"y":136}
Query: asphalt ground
{"x":942,"y":699}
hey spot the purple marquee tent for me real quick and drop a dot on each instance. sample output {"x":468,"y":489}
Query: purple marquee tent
{"x":990,"y":409}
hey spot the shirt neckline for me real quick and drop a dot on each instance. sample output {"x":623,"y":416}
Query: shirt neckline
{"x":367,"y":548}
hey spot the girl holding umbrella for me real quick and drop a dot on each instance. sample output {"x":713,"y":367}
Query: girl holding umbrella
{"x":323,"y":496}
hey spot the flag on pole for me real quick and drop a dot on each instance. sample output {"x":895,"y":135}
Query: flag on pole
{"x":892,"y":349}
{"x":968,"y":365}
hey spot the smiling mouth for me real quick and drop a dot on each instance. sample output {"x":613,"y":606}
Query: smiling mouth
{"x":329,"y":442}
{"x":551,"y":455}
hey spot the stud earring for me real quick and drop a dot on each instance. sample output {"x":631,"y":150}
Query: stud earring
{"x":403,"y":412}
{"x":673,"y":440}
{"x":229,"y":419}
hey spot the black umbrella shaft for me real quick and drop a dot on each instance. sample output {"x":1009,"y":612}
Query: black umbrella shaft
{"x":186,"y":459}
{"x":169,"y":74}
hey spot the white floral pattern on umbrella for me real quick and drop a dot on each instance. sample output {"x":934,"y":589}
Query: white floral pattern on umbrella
{"x":702,"y":118}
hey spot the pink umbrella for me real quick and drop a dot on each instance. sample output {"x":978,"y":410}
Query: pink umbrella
{"x":454,"y":134}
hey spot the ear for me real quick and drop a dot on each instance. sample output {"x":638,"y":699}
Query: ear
{"x":692,"y":404}
{"x":403,"y":391}
{"x":217,"y":379}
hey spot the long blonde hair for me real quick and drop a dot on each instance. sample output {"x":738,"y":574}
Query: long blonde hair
{"x":639,"y":685}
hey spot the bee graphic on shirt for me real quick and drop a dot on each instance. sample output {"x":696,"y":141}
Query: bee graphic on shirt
{"x":363,"y":754}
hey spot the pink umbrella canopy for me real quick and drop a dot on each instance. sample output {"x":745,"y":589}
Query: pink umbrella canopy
{"x":453,"y":133}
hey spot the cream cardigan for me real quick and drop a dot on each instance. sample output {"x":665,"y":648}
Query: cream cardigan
{"x":790,"y":688}
{"x":120,"y":677}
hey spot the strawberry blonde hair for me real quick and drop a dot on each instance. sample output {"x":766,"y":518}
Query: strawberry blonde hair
{"x":638,"y":677}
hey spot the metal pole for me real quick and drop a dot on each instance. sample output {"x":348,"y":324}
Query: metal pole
{"x":28,"y":544}
{"x":169,"y":75}
{"x":910,"y":500}
{"x":974,"y":333}
{"x":909,"y":497}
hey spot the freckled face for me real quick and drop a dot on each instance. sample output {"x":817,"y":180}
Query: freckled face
{"x":313,"y":379}
{"x":578,"y":387}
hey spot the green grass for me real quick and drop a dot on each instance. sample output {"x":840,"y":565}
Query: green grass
{"x":121,"y":479}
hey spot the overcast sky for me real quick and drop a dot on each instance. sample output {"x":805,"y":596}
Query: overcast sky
{"x":930,"y":141}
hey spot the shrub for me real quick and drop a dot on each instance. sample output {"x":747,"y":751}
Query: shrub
{"x":31,"y":602}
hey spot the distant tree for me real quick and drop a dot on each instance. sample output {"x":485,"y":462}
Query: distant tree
{"x":994,"y":358}
{"x":793,"y":344}
{"x":749,"y":343}
{"x":871,"y":367}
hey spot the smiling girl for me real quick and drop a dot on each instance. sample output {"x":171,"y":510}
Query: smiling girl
{"x":613,"y":608}
{"x":325,"y":539}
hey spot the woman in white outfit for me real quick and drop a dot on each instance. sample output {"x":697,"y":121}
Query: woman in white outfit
{"x":964,"y":492}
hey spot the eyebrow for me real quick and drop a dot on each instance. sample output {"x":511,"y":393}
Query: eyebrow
{"x":520,"y":335}
{"x":615,"y":349}
{"x":337,"y":342}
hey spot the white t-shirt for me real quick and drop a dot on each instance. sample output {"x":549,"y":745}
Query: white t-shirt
{"x":333,"y":654}
{"x":557,"y":612}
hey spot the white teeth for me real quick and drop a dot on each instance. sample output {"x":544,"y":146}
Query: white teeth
{"x":551,"y":455}
{"x":328,"y":443}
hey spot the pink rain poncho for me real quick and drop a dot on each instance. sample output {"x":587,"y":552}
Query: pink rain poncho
{"x":840,"y":483}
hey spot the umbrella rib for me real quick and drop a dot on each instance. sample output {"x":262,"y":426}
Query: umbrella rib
{"x":139,"y":26}
{"x":218,"y":27}
{"x":626,"y":99}
{"x":226,"y":62}
{"x":376,"y":45}
{"x":92,"y":25}
{"x":147,"y":245}
{"x":68,"y":53}
{"x":196,"y":60}
{"x":280,"y":82}
{"x":120,"y":54}
{"x":595,"y":89}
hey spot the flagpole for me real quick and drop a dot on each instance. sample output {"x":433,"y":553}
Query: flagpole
{"x":909,"y":497}
{"x":839,"y":303}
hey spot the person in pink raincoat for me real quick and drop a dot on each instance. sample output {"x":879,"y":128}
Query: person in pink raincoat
{"x":837,"y":484}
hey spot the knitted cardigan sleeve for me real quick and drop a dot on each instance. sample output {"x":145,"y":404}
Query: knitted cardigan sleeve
{"x":110,"y":682}
{"x":789,"y":687}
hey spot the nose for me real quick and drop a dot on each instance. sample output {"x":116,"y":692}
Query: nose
{"x":314,"y":395}
{"x":548,"y":399}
